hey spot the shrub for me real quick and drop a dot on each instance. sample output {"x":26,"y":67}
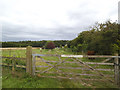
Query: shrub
{"x":50,"y":45}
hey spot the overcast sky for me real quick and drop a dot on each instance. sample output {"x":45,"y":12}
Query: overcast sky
{"x":52,"y":19}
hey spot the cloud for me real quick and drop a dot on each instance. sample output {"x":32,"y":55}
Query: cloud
{"x":52,"y":19}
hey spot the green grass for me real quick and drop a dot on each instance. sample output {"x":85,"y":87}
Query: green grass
{"x":16,"y":53}
{"x":22,"y":80}
{"x":25,"y":81}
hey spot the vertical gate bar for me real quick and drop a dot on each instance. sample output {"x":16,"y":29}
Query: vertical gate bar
{"x":117,"y":72}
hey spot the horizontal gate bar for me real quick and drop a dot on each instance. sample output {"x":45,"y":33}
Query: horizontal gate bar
{"x":77,"y":74}
{"x":86,"y":68}
{"x":79,"y":68}
{"x":78,"y":62}
{"x":46,"y":55}
{"x":78,"y":56}
{"x":72,"y":78}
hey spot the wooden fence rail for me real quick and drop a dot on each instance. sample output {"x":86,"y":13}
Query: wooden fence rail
{"x":18,"y":58}
{"x":19,"y":66}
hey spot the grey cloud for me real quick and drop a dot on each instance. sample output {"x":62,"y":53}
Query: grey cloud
{"x":16,"y":33}
{"x":82,"y":17}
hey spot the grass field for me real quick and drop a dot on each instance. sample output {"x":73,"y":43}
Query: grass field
{"x":21,"y":80}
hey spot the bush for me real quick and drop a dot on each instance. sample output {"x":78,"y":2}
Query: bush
{"x":50,"y":45}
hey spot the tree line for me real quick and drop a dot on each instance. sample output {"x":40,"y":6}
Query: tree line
{"x":58,"y":43}
{"x":102,"y":38}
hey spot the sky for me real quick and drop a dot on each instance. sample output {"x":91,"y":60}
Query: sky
{"x":52,"y":19}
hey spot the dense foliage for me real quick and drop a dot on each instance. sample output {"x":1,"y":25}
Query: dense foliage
{"x":101,"y":38}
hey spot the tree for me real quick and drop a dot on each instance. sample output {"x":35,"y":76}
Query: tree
{"x":100,"y":39}
{"x":50,"y":45}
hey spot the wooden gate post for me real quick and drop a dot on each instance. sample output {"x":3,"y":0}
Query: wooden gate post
{"x":117,"y":70}
{"x":29,"y":60}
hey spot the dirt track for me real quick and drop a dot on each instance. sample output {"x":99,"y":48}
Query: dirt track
{"x":16,"y":48}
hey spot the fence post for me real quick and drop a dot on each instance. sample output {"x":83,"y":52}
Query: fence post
{"x":117,"y":70}
{"x":33,"y":73}
{"x":29,"y":60}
